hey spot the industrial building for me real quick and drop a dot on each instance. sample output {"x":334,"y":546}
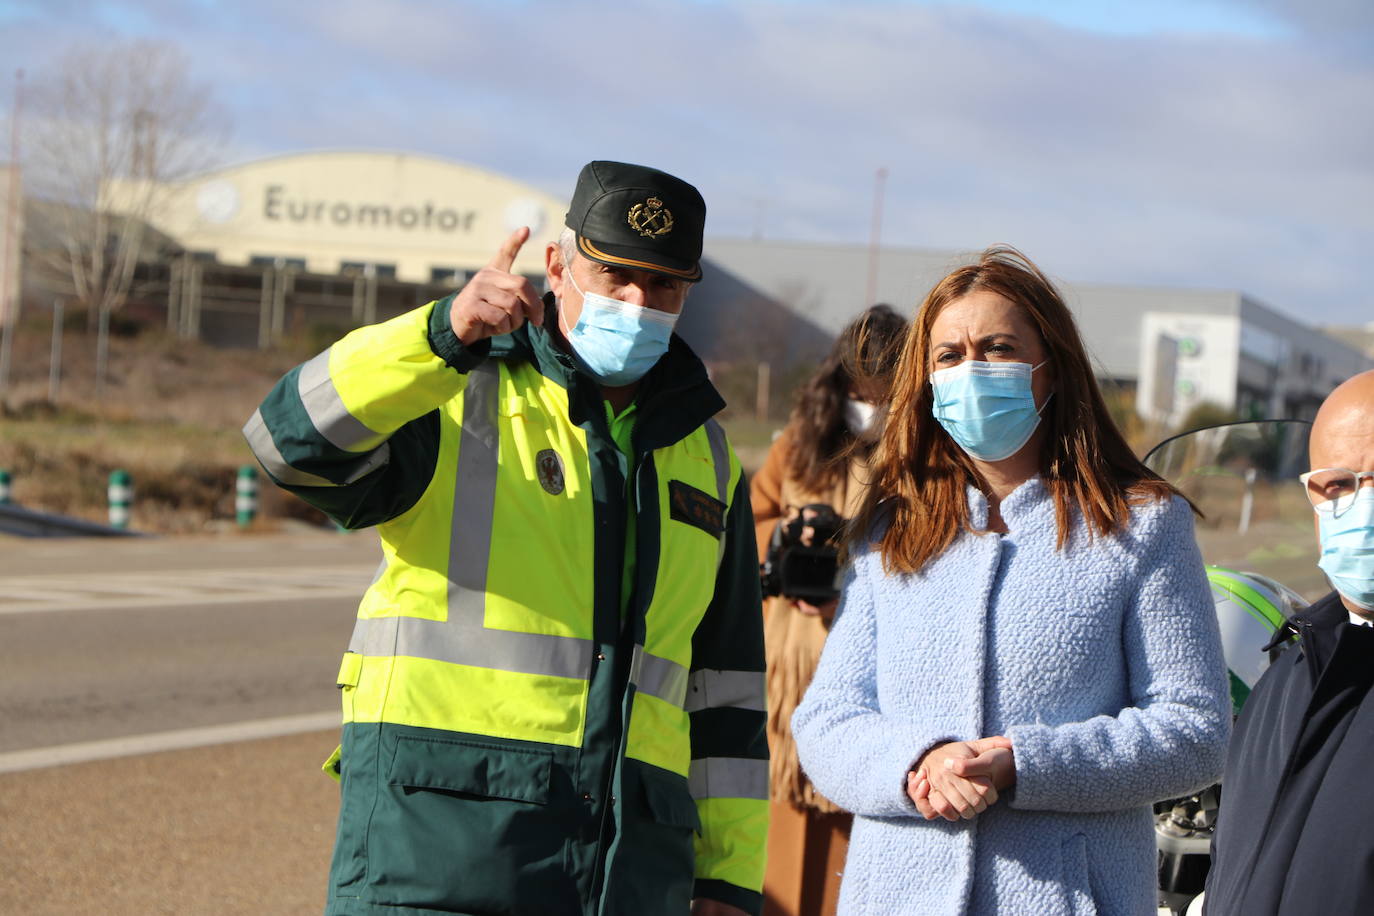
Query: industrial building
{"x":318,"y":242}
{"x":1176,"y":348}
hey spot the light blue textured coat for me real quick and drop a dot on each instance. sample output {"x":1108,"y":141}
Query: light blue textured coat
{"x":1102,"y":663}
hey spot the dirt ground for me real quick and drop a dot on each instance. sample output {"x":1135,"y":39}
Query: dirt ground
{"x":231,"y":829}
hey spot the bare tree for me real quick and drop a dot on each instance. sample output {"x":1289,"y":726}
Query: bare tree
{"x":111,"y":126}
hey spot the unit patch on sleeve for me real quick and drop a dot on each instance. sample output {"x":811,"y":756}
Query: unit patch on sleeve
{"x":698,"y":509}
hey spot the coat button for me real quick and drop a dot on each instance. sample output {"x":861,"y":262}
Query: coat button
{"x":601,"y":656}
{"x":586,"y":796}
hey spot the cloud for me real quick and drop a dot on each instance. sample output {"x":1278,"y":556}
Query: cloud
{"x":1182,"y":157}
{"x":1346,"y":23}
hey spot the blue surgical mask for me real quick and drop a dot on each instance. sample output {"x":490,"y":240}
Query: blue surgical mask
{"x":617,"y":342}
{"x":987,"y":408}
{"x":1348,"y":548}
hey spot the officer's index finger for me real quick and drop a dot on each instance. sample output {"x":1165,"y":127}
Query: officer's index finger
{"x":505,"y":255}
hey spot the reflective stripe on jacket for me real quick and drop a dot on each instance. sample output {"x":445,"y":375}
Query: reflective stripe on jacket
{"x":490,"y":656}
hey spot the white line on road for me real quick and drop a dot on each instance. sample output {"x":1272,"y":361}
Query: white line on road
{"x":134,"y":745}
{"x":112,"y":604}
{"x":99,"y":592}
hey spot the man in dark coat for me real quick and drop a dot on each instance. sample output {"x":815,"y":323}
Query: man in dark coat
{"x":1295,"y":834}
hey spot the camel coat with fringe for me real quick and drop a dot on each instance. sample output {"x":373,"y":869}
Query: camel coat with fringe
{"x":808,"y":834}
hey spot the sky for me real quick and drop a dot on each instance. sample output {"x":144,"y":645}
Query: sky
{"x":1223,"y":144}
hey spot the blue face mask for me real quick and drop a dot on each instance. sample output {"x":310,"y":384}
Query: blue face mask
{"x":1348,"y":549}
{"x":987,"y":408}
{"x":618,"y":342}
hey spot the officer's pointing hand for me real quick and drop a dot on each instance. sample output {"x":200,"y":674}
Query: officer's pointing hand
{"x":496,"y":301}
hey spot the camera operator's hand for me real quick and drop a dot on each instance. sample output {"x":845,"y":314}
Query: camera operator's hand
{"x":825,"y":611}
{"x":808,"y":531}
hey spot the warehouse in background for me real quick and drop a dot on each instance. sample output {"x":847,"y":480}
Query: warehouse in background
{"x":1227,"y":349}
{"x":397,"y":216}
{"x":318,"y":242}
{"x":324,"y":241}
{"x":1175,"y":349}
{"x":330,"y":239}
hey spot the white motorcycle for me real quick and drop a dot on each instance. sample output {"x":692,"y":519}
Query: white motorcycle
{"x":1256,"y":537}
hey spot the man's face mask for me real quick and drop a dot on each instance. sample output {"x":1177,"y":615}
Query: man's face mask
{"x":1347,"y":540}
{"x":987,"y":408}
{"x":615,"y":341}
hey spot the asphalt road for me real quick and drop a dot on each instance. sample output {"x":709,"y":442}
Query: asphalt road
{"x":165,"y":706}
{"x":148,"y":662}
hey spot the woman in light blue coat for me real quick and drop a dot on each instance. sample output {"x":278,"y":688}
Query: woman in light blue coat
{"x":1026,"y":655}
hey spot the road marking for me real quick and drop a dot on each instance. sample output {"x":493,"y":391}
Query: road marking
{"x":134,"y":745}
{"x":179,"y":588}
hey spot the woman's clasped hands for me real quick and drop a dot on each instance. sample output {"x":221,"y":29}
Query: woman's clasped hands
{"x":961,"y":779}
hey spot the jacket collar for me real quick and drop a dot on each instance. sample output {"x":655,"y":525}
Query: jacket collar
{"x":1318,"y":629}
{"x":674,"y":398}
{"x":1020,"y":509}
{"x":530,"y":344}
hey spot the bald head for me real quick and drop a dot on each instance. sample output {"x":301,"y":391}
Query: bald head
{"x":1343,"y":433}
{"x":1343,"y":437}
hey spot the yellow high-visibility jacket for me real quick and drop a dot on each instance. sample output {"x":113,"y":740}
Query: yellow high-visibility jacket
{"x":539,"y":717}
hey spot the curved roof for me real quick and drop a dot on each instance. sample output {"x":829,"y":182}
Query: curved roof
{"x":330,"y":207}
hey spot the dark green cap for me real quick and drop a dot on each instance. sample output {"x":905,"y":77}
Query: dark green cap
{"x":635,"y":216}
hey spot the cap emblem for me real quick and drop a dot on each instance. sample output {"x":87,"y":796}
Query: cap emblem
{"x":651,"y":219}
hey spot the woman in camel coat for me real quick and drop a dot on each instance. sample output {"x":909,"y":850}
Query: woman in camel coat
{"x":819,"y":460}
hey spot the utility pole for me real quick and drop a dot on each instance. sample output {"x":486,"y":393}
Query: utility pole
{"x":55,"y":357}
{"x":874,"y":234}
{"x":102,"y":350}
{"x":761,"y":392}
{"x":9,"y":302}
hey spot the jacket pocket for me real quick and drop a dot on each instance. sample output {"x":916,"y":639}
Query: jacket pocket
{"x":1079,"y":899}
{"x":470,"y":826}
{"x":655,"y":860}
{"x":487,"y":771}
{"x":668,"y":800}
{"x":350,"y":669}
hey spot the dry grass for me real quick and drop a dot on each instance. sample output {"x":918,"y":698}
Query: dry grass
{"x":169,"y":413}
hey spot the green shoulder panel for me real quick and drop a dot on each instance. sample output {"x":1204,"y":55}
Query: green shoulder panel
{"x":355,"y":430}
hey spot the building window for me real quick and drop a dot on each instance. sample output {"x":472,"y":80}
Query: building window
{"x":209,"y":257}
{"x":276,"y":260}
{"x":364,"y":268}
{"x":448,"y":276}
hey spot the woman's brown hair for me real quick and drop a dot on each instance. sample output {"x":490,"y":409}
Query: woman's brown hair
{"x":919,"y":474}
{"x":862,"y":356}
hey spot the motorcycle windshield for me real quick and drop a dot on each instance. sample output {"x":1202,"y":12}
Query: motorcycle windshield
{"x":1244,"y":479}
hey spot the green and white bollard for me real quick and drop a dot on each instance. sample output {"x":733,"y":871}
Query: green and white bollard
{"x":246,"y":495}
{"x":121,"y":495}
{"x":4,"y":487}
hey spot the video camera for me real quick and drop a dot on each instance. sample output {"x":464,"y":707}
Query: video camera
{"x":804,"y":564}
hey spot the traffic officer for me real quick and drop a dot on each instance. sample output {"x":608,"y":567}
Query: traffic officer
{"x":553,"y":697}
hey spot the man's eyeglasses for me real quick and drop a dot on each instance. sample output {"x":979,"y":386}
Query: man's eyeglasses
{"x":1333,"y":490}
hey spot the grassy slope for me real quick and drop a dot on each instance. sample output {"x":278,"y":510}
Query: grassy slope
{"x":170,"y":414}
